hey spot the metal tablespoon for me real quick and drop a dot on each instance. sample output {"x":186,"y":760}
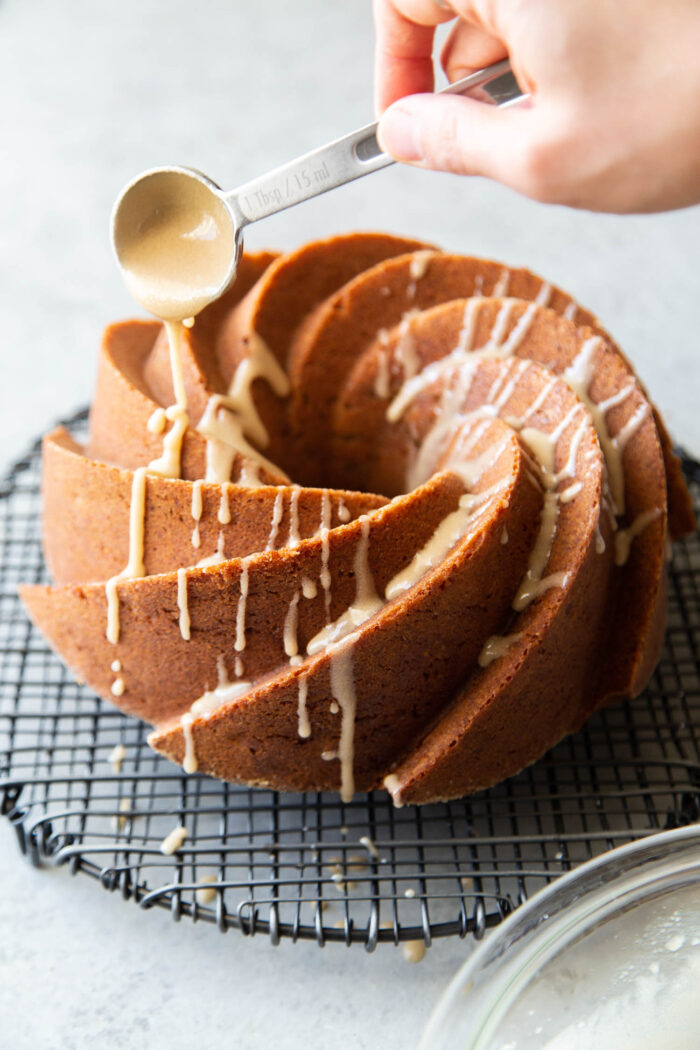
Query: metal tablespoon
{"x":178,"y":236}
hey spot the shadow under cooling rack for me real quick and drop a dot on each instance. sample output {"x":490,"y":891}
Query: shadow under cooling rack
{"x":307,"y":866}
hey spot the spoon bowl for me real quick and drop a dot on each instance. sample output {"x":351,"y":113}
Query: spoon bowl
{"x":176,"y":240}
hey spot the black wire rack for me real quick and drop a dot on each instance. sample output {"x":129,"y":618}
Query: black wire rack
{"x":308,"y":866}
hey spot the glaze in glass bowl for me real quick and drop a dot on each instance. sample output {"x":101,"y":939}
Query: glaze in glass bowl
{"x":606,"y":957}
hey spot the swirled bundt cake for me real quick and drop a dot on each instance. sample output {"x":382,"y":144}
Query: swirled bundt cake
{"x":390,"y":516}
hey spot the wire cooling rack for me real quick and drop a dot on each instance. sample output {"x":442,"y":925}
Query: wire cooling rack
{"x":308,"y":866}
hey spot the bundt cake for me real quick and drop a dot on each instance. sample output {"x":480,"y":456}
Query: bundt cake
{"x":388,"y":516}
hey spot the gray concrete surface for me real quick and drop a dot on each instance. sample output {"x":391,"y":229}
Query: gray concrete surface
{"x":93,"y":92}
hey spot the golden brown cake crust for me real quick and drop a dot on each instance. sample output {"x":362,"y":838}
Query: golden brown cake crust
{"x":436,"y":544}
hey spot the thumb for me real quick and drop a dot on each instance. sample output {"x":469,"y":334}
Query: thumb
{"x":451,"y":133}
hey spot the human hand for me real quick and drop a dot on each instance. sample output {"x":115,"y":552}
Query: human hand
{"x":613,"y":119}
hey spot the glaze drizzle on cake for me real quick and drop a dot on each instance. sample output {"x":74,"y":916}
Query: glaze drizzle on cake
{"x":417,"y":503}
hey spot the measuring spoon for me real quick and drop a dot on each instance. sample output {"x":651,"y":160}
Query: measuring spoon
{"x":178,"y":236}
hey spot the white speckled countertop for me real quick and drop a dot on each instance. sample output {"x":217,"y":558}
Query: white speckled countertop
{"x":93,"y":93}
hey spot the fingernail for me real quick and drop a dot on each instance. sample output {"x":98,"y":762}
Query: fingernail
{"x":398,"y":134}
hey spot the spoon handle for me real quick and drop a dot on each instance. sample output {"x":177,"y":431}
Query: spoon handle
{"x":350,"y":157}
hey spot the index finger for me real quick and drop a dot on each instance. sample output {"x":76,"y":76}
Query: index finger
{"x":403,"y":57}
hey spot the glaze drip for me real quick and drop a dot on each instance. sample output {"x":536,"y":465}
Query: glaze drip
{"x":367,"y":602}
{"x":182,"y":604}
{"x":625,"y":537}
{"x":343,"y":689}
{"x":291,"y":646}
{"x":277,"y":509}
{"x":196,"y":512}
{"x":168,"y":464}
{"x":260,"y":363}
{"x":225,"y":440}
{"x":134,"y":567}
{"x":304,"y":726}
{"x":239,"y":644}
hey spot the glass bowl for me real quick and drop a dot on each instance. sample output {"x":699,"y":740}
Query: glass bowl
{"x":605,"y":958}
